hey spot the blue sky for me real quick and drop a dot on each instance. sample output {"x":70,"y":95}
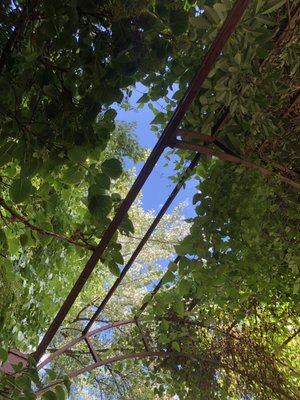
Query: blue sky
{"x":158,"y":186}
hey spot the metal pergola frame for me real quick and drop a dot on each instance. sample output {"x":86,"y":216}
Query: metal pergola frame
{"x":169,"y":138}
{"x":165,"y":140}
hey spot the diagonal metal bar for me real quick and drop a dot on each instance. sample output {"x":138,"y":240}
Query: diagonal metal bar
{"x":97,"y":359}
{"x":212,"y":140}
{"x":156,"y":288}
{"x":79,"y":339}
{"x":92,"y":350}
{"x":204,"y":138}
{"x":144,"y":339}
{"x":214,"y":51}
{"x":142,"y":242}
{"x":236,"y":160}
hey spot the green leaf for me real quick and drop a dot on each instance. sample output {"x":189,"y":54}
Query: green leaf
{"x":238,"y":58}
{"x":179,"y":308}
{"x":266,"y":20}
{"x":99,"y":205}
{"x":296,"y":288}
{"x":220,"y":9}
{"x":160,"y":118}
{"x":13,"y":245}
{"x":3,"y":241}
{"x":20,"y":190}
{"x":30,"y":167}
{"x":60,"y":393}
{"x":259,"y":3}
{"x":200,"y":22}
{"x":67,"y":384}
{"x":146,"y":298}
{"x":18,"y":367}
{"x":50,"y":90}
{"x":163,"y":338}
{"x":233,"y":106}
{"x":102,"y":180}
{"x":184,"y":287}
{"x":52,"y":374}
{"x":114,"y":269}
{"x":96,"y":189}
{"x":45,"y":239}
{"x":273,"y":6}
{"x":73,"y":176}
{"x":203,"y":100}
{"x":126,"y":226}
{"x":143,"y":99}
{"x":3,"y":355}
{"x":168,"y":277}
{"x":175,"y":346}
{"x":165,"y":324}
{"x":179,"y":21}
{"x":211,"y":14}
{"x":112,"y":168}
{"x":77,"y":154}
{"x":5,"y":152}
{"x":117,"y":257}
{"x":50,"y":395}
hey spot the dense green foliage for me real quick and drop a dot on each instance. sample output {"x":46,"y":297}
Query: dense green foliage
{"x":231,"y":305}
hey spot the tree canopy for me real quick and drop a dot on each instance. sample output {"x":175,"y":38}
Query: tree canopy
{"x":230,"y":304}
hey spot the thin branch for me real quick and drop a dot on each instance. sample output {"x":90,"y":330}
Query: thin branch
{"x":294,"y":101}
{"x":151,"y":240}
{"x":289,"y":339}
{"x":18,"y":217}
{"x":295,"y":371}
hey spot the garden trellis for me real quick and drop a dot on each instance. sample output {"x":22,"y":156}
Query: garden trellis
{"x":168,"y":139}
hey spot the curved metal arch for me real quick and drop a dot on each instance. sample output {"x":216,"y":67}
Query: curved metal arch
{"x":82,"y":338}
{"x":111,"y":360}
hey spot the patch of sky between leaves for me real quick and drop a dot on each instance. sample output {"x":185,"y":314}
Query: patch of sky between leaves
{"x":159,"y":185}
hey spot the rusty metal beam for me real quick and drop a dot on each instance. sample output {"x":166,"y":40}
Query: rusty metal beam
{"x":212,"y":140}
{"x":204,"y":138}
{"x":111,"y":360}
{"x":73,"y":342}
{"x":214,"y":51}
{"x":92,"y":350}
{"x":144,"y":339}
{"x":157,"y":287}
{"x":236,"y":160}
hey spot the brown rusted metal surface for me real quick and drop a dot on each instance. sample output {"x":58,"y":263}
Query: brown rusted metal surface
{"x":144,"y":338}
{"x":157,"y":287}
{"x":111,"y":360}
{"x":204,"y":138}
{"x":92,"y":350}
{"x":14,"y":357}
{"x":73,"y":342}
{"x":214,"y":51}
{"x":236,"y":160}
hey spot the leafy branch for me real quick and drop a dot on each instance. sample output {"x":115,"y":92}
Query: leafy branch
{"x":15,"y":216}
